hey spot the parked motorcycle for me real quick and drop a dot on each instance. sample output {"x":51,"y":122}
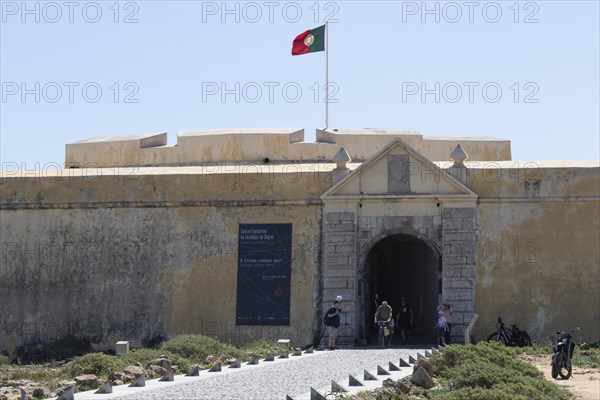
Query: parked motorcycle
{"x":563,"y":351}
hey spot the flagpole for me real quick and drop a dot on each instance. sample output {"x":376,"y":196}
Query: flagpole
{"x":326,"y":75}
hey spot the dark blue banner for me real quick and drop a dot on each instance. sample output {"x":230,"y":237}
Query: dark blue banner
{"x":264,"y":269}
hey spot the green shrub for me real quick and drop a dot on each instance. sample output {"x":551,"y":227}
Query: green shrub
{"x":264,"y":348}
{"x":144,"y":356}
{"x":490,"y":371}
{"x":197,"y":347}
{"x":34,"y":373}
{"x":536,"y":349}
{"x":98,"y":364}
{"x":101,"y":364}
{"x":477,"y":394}
{"x":4,"y":360}
{"x":588,"y":358}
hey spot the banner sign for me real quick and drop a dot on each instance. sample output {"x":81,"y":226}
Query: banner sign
{"x":264,"y":270}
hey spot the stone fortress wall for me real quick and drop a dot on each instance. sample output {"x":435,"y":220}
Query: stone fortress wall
{"x":255,"y":145}
{"x":141,"y":240}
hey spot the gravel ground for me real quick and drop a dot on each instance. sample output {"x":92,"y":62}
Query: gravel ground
{"x":293,"y":377}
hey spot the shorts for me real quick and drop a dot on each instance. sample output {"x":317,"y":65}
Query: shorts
{"x":332,"y":331}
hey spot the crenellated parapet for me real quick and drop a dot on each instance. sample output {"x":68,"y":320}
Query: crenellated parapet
{"x":267,"y":145}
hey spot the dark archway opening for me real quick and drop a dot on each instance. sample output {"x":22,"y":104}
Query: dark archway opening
{"x":403,"y":266}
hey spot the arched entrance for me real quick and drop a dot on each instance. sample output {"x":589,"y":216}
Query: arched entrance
{"x":403,"y":266}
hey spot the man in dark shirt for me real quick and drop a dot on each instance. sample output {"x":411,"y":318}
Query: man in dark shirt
{"x":404,"y":321}
{"x":333,"y":321}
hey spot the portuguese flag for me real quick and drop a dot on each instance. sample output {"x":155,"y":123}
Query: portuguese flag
{"x":309,"y":41}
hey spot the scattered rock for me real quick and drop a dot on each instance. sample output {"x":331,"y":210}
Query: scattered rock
{"x":64,"y":384}
{"x":86,"y":382}
{"x":61,"y":390}
{"x":425,"y":364}
{"x":158,"y":370}
{"x":162,"y":361}
{"x":584,"y":346}
{"x":229,"y":360}
{"x":398,"y":386}
{"x":404,"y":385}
{"x":41,"y":393}
{"x":422,"y":378}
{"x":209,"y":359}
{"x":117,"y":376}
{"x":17,"y":383}
{"x":118,"y":382}
{"x":135,"y":370}
{"x":389,"y":382}
{"x":132,"y":372}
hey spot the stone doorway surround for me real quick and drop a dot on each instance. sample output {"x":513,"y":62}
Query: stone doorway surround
{"x":397,"y":191}
{"x":398,"y":265}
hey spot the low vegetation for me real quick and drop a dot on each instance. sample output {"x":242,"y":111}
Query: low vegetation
{"x":66,"y":359}
{"x":486,"y":371}
{"x":490,"y":371}
{"x":585,"y":355}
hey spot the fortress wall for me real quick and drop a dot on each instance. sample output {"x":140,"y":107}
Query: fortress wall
{"x":112,"y":260}
{"x":134,"y":253}
{"x":195,"y":148}
{"x":218,"y":184}
{"x":538,"y":256}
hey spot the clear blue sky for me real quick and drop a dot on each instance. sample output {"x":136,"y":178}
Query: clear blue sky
{"x":523,"y":71}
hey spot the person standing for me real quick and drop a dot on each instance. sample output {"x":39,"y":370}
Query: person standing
{"x":446,"y":310}
{"x":404,"y":321}
{"x":441,"y":327}
{"x":333,"y":322}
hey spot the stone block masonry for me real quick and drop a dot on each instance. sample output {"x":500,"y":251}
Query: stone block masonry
{"x":458,"y":270}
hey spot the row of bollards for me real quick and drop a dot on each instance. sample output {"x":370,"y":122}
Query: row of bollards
{"x":367,"y":376}
{"x":69,"y":392}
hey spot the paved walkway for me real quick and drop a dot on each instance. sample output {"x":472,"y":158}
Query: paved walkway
{"x":293,"y":376}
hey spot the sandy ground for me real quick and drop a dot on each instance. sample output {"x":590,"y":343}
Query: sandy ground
{"x":584,"y":383}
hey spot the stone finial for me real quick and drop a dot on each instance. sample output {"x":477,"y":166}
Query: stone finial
{"x":341,"y":171}
{"x":458,"y":156}
{"x":342,"y":158}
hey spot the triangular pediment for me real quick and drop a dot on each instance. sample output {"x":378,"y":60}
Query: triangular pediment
{"x":398,"y":170}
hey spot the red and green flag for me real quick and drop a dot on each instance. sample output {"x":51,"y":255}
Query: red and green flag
{"x":309,"y":42}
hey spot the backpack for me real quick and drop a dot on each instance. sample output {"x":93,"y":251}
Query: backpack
{"x":325,"y":317}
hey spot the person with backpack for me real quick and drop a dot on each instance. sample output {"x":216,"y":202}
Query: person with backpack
{"x":332,"y":321}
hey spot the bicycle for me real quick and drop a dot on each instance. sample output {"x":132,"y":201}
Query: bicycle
{"x":512,"y":337}
{"x":384,"y":335}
